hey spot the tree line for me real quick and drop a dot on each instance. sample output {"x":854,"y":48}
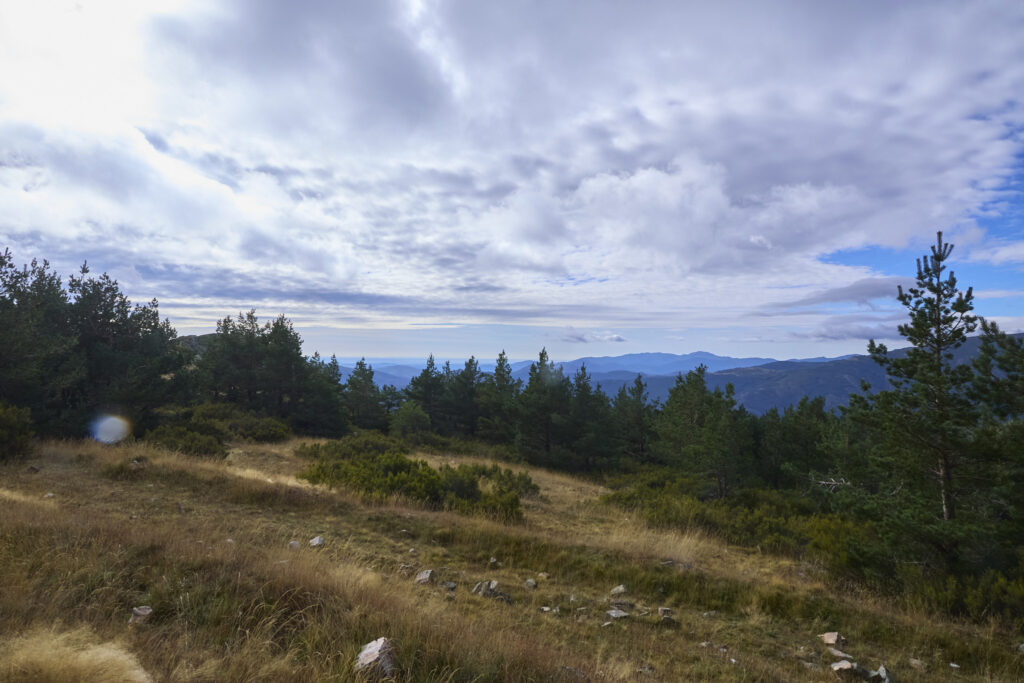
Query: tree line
{"x":923,"y":481}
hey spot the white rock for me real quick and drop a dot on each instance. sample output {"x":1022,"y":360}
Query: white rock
{"x":664,"y":611}
{"x":376,"y":659}
{"x":48,"y":495}
{"x":618,"y":590}
{"x":954,"y":666}
{"x":316,"y":541}
{"x":425,"y":576}
{"x":832,"y":638}
{"x":843,"y":665}
{"x":617,"y":614}
{"x":838,"y":653}
{"x":530,"y":583}
{"x":140,"y":614}
{"x":545,"y":575}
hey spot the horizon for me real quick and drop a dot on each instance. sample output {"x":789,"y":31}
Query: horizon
{"x":413,"y":177}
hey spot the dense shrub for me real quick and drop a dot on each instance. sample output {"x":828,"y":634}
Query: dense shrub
{"x":184,"y":440}
{"x":260,"y":429}
{"x":390,"y":473}
{"x":15,"y":432}
{"x":363,"y":443}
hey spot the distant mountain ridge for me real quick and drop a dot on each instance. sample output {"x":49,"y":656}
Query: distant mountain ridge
{"x":759,"y":383}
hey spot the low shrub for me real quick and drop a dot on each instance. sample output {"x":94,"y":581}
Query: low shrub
{"x":15,"y":432}
{"x":381,"y":475}
{"x":363,"y":443}
{"x":180,"y":438}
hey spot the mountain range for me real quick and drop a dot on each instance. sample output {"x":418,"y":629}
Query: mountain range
{"x":759,"y":383}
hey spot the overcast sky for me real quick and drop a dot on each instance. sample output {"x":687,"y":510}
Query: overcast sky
{"x":401,"y":178}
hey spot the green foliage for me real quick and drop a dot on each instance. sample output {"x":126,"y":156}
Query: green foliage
{"x":380,"y":474}
{"x":184,"y":440}
{"x":409,"y":420}
{"x":229,"y":422}
{"x":15,"y":432}
{"x":351,"y":446}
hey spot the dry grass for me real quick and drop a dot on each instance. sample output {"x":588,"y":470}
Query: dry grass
{"x":51,"y":656}
{"x":117,"y":534}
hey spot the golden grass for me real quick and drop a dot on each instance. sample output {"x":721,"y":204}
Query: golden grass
{"x":117,"y":535}
{"x":46,"y":655}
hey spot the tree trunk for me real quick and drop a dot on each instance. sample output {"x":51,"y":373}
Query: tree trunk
{"x":945,"y":488}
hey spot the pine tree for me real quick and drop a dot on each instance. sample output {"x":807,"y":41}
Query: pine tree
{"x":929,"y":413}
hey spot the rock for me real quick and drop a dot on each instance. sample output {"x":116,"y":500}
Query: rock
{"x":723,"y":648}
{"x":832,"y":638}
{"x":376,"y":659}
{"x":879,"y":676}
{"x":405,"y":568}
{"x":607,"y":623}
{"x":917,"y":664}
{"x":48,"y":495}
{"x":1020,"y":648}
{"x":618,"y":590}
{"x":412,"y":551}
{"x":706,"y":643}
{"x":838,"y":653}
{"x":230,"y":541}
{"x":294,"y":545}
{"x":140,"y":614}
{"x":545,"y":575}
{"x":493,"y":562}
{"x":664,"y":612}
{"x":449,"y":585}
{"x":849,"y":670}
{"x":708,"y":614}
{"x":622,"y":604}
{"x":530,"y":583}
{"x":316,"y":541}
{"x":425,"y":576}
{"x":617,"y":614}
{"x":545,"y":609}
{"x":667,"y":620}
{"x":646,"y":670}
{"x":954,"y":666}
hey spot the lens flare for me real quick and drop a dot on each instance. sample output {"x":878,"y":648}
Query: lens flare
{"x":110,"y":428}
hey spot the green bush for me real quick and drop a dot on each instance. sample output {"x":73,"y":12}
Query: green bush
{"x":180,"y":438}
{"x":15,"y":432}
{"x":259,"y":429}
{"x":364,"y":443}
{"x":381,"y":475}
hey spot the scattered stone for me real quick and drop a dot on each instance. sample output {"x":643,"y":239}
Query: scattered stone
{"x":530,"y":583}
{"x":32,"y":469}
{"x":449,"y":585}
{"x":412,"y":551}
{"x":723,"y":648}
{"x":668,"y":620}
{"x":706,"y":643}
{"x":607,"y":623}
{"x":545,"y":575}
{"x":404,"y":531}
{"x":617,"y":614}
{"x":832,"y":638}
{"x":646,"y":670}
{"x":731,"y":660}
{"x":425,"y":576}
{"x":664,"y":611}
{"x":850,"y":670}
{"x":918,"y":664}
{"x":376,"y":659}
{"x":880,"y":676}
{"x":48,"y":495}
{"x":406,"y":568}
{"x":839,"y":653}
{"x":493,"y":562}
{"x":954,"y":666}
{"x":709,"y":613}
{"x":294,"y":545}
{"x":140,"y":614}
{"x":316,"y":541}
{"x":618,"y":590}
{"x":622,"y":604}
{"x":230,"y":541}
{"x":545,"y":609}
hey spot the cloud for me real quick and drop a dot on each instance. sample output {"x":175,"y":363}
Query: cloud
{"x":860,"y":292}
{"x":574,"y":336}
{"x":597,"y":168}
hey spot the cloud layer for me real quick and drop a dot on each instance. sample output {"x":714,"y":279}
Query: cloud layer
{"x":602,"y":167}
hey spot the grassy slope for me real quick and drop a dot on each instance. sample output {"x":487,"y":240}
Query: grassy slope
{"x":113,"y":536}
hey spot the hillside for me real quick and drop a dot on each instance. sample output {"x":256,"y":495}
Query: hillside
{"x":90,"y":531}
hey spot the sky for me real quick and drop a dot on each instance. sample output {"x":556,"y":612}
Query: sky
{"x":457,"y":178}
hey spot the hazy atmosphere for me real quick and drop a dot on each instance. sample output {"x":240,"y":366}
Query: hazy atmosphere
{"x":401,"y":178}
